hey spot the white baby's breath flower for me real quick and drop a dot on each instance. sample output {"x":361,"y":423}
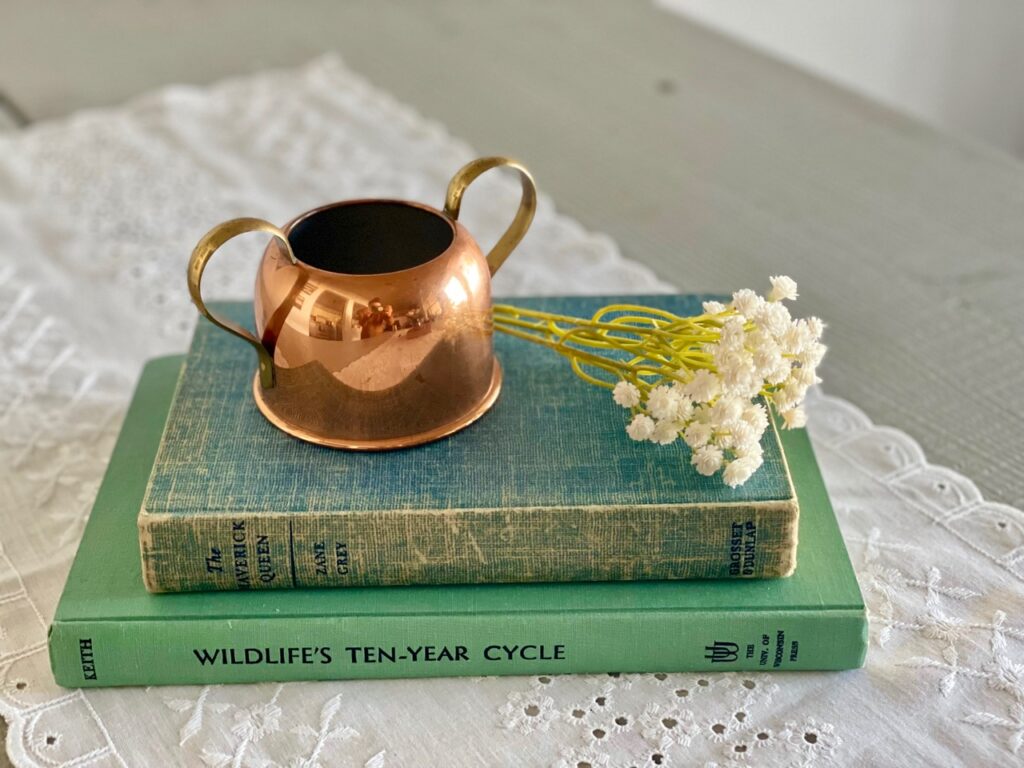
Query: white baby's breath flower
{"x":684,"y":408}
{"x":707,"y":460}
{"x":732,"y":334}
{"x":723,"y":440}
{"x":782,"y":400}
{"x":756,"y":384}
{"x":626,"y":394}
{"x":779,"y":373}
{"x":738,"y":373}
{"x":662,"y":402}
{"x":775,"y":319}
{"x":724,"y":354}
{"x":697,"y":435}
{"x":733,"y":349}
{"x":767,"y":359}
{"x":795,"y":339}
{"x":812,"y":354}
{"x":704,"y":386}
{"x":746,"y":302}
{"x":783,"y":288}
{"x":795,"y":391}
{"x":754,"y":450}
{"x":665,"y":432}
{"x":714,"y":308}
{"x":795,"y":418}
{"x":806,"y":376}
{"x":738,"y":471}
{"x":641,"y":427}
{"x":792,"y":341}
{"x":755,"y":415}
{"x":789,"y":396}
{"x":758,"y":339}
{"x":743,"y":434}
{"x":726,"y":410}
{"x":816,"y":327}
{"x":762,"y":310}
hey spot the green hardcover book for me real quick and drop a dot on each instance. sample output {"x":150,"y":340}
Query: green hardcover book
{"x":547,"y":486}
{"x":109,"y":630}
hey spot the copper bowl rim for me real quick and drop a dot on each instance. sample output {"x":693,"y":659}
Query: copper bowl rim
{"x":387,"y":443}
{"x":452,"y":224}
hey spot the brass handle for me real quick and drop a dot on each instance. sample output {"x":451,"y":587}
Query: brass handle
{"x":201,"y":254}
{"x":527,"y":205}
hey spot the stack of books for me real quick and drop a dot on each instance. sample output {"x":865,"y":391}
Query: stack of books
{"x":539,"y":540}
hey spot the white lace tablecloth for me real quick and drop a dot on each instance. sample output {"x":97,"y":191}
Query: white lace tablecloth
{"x":98,"y":214}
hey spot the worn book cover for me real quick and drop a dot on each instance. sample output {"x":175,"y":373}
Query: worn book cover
{"x":547,"y":486}
{"x":108,"y":630}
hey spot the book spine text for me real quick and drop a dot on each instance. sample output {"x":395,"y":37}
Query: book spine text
{"x":215,"y":650}
{"x":457,"y":546}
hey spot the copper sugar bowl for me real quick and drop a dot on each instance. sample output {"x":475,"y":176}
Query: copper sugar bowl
{"x":373,"y":317}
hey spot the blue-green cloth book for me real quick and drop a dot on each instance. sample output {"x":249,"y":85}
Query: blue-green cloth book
{"x":108,"y":630}
{"x":547,"y":486}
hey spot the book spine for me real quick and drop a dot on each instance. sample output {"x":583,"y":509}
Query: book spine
{"x":214,"y":650}
{"x":401,"y":547}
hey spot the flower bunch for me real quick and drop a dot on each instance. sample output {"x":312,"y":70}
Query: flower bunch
{"x":704,"y":380}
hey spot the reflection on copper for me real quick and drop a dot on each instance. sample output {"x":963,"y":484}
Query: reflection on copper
{"x":376,"y":318}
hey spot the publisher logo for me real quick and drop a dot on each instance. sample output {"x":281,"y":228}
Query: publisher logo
{"x":88,"y":661}
{"x":720,"y":652}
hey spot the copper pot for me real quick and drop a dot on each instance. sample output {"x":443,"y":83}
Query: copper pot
{"x":373,"y":317}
